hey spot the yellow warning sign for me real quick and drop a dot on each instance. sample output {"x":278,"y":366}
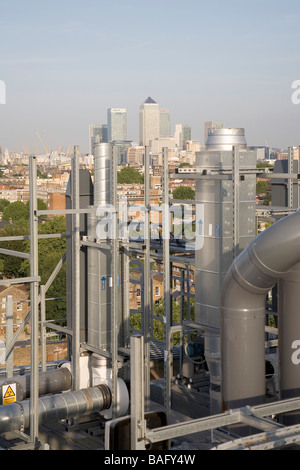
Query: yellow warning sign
{"x":9,"y":393}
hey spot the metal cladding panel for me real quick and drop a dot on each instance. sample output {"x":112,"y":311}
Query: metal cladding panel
{"x":215,"y":256}
{"x":222,"y":160}
{"x":247,"y":219}
{"x":99,"y":298}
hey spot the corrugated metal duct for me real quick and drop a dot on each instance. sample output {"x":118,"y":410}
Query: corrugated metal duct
{"x":16,"y":416}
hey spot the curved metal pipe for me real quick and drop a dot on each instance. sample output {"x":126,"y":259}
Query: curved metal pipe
{"x":267,"y":259}
{"x":16,"y":416}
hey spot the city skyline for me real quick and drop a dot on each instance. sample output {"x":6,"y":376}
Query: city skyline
{"x":63,"y":66}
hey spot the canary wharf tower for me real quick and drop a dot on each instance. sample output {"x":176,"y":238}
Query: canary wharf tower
{"x":149,"y":121}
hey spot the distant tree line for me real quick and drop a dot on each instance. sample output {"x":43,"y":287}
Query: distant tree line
{"x":129,"y":175}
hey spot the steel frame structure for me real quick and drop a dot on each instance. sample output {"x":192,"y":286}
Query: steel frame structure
{"x":138,"y":350}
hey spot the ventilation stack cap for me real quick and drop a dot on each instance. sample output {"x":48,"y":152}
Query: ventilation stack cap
{"x":225,"y":139}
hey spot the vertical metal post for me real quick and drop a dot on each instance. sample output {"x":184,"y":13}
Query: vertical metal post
{"x":137,"y":392}
{"x":114,"y":303}
{"x":182,"y":298}
{"x":9,"y":334}
{"x":43,"y":329}
{"x":235,"y":198}
{"x":76,"y":271}
{"x":188,"y":291}
{"x":290,"y":202}
{"x":151,"y":303}
{"x":167,"y":294}
{"x":34,"y":394}
{"x":147,"y":325}
{"x":125,"y":297}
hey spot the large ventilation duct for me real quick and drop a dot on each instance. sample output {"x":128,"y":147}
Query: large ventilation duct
{"x":272,"y":256}
{"x":99,"y":260}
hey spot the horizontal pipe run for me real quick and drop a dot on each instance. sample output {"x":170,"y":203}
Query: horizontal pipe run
{"x":53,"y":408}
{"x":52,"y":381}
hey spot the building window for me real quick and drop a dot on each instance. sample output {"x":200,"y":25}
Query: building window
{"x":19,"y":306}
{"x":157,"y":291}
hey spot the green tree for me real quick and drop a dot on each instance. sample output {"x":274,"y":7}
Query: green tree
{"x":50,"y":252}
{"x":130,"y":175}
{"x":19,"y":211}
{"x":182,"y":165}
{"x":16,"y":211}
{"x":12,"y":265}
{"x":40,"y":174}
{"x":3,"y":204}
{"x":268,"y":199}
{"x":262,"y":187}
{"x":41,"y":205}
{"x":158,"y":325}
{"x":184,"y":192}
{"x":264,"y":165}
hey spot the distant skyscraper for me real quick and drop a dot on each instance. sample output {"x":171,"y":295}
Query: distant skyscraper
{"x":165,"y":123}
{"x":211,"y":125}
{"x":117,"y":124}
{"x":96,"y":130}
{"x":149,"y":119}
{"x":183,"y":132}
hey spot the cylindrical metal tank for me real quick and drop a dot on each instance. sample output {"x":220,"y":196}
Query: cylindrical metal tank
{"x":214,"y":258}
{"x":225,"y":139}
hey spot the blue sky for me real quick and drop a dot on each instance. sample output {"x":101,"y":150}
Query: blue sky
{"x":65,"y":62}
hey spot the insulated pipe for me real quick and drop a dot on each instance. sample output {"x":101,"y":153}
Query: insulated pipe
{"x":52,"y":381}
{"x":16,"y":416}
{"x":267,"y":259}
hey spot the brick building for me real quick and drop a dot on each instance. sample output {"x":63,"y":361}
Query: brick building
{"x":20,"y":295}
